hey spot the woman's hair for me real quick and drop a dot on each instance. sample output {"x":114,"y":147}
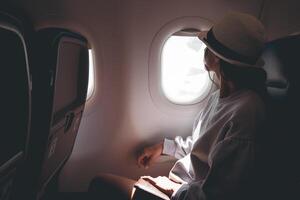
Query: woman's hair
{"x":245,"y":77}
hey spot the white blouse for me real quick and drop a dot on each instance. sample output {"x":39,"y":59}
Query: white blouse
{"x":217,"y":160}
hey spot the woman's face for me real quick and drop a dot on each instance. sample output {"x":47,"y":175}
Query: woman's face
{"x":211,"y":62}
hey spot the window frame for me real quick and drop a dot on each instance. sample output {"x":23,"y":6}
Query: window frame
{"x":154,"y":65}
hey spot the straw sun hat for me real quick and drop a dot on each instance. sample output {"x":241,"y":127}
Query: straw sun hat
{"x":238,"y":39}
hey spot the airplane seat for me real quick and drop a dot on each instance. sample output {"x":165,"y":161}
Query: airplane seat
{"x":60,"y":78}
{"x":15,"y":101}
{"x":280,"y":155}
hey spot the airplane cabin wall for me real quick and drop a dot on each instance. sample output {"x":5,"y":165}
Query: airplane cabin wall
{"x":281,"y":17}
{"x":121,"y":116}
{"x":110,"y":135}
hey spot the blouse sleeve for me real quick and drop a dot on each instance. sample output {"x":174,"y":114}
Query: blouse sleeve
{"x":180,"y":147}
{"x":231,"y":167}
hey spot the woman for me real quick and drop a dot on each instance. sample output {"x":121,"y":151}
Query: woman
{"x":219,"y":162}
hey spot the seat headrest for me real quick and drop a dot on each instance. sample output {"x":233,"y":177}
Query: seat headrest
{"x":7,"y":18}
{"x":53,"y":35}
{"x":17,"y":20}
{"x":282,"y":65}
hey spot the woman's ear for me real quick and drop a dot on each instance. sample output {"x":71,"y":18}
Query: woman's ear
{"x":216,"y":60}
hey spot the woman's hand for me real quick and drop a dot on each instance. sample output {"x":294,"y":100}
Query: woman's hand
{"x":150,"y":155}
{"x":163,"y":184}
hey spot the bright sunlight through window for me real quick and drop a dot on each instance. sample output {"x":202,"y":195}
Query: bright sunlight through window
{"x":184,"y":78}
{"x":91,"y":75}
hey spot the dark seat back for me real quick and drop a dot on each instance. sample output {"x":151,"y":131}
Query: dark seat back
{"x":70,"y":76}
{"x":60,"y":79}
{"x":281,"y":150}
{"x":15,"y":101}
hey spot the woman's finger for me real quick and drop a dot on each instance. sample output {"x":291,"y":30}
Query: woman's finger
{"x":149,"y":179}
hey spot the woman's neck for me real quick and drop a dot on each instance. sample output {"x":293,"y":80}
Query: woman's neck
{"x":227,"y":88}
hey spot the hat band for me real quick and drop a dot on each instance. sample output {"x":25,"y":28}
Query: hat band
{"x":226,"y":52}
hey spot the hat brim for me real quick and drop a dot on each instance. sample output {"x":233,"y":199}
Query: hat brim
{"x":203,"y":37}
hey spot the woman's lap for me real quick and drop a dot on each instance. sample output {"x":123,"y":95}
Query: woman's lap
{"x":110,"y":186}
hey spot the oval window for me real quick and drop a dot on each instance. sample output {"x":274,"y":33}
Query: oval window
{"x":91,"y":83}
{"x":183,"y":76}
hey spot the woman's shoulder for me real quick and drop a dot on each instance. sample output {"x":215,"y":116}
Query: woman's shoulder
{"x":251,"y":100}
{"x":250,"y":105}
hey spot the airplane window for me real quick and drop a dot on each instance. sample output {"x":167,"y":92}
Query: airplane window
{"x":183,"y":76}
{"x":91,"y":82}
